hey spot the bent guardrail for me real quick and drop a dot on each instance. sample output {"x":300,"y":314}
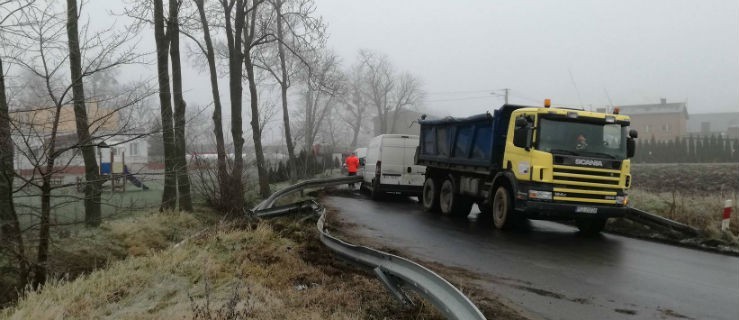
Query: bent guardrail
{"x":653,"y":219}
{"x":315,"y":183}
{"x":392,"y":270}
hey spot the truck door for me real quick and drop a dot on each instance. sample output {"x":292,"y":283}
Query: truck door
{"x":518,"y":145}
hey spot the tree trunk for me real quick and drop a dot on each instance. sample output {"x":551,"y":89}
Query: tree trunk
{"x":10,"y":232}
{"x":42,"y":256}
{"x":224,"y":186}
{"x":169,"y":195}
{"x":236,"y":90}
{"x":183,"y":179}
{"x":264,"y":189}
{"x":284,"y":82}
{"x":92,"y":173}
{"x":42,"y":251}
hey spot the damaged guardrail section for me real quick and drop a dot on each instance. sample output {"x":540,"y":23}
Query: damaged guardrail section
{"x":393,"y":271}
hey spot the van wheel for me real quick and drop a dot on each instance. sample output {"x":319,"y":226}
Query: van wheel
{"x":502,"y":208}
{"x":430,"y":196}
{"x":376,"y":193}
{"x":591,"y":227}
{"x":451,"y":203}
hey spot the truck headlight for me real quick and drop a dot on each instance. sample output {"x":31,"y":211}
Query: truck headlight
{"x":624,"y":200}
{"x":542,"y":195}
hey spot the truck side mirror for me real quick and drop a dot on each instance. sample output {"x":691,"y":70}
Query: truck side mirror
{"x":630,"y":147}
{"x":521,"y":122}
{"x":633,"y":134}
{"x":523,"y":135}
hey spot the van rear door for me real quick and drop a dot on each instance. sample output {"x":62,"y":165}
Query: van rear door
{"x":391,"y":155}
{"x":413,"y":175}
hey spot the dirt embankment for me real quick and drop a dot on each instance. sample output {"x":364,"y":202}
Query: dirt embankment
{"x":274,"y":269}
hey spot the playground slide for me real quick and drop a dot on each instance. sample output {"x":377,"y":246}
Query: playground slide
{"x":135,"y":181}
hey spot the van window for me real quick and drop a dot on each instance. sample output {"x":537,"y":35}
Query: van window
{"x":442,"y":137}
{"x":483,"y":142}
{"x":464,"y":138}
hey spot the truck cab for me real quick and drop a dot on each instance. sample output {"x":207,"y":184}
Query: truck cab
{"x":569,"y":162}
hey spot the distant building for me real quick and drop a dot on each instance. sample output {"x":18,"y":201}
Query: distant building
{"x":33,"y":130}
{"x":662,"y":121}
{"x":725,"y":124}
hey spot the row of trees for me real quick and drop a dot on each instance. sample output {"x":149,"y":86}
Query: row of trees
{"x":260,"y":44}
{"x":713,"y":148}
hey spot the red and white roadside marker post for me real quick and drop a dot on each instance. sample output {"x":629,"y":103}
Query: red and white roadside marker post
{"x":727,"y":216}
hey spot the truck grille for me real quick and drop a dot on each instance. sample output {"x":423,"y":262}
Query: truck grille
{"x":583,"y":184}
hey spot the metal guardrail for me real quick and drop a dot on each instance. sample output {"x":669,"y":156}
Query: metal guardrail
{"x":315,"y":183}
{"x":393,"y":271}
{"x":653,"y":219}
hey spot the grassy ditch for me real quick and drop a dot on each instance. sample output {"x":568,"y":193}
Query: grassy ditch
{"x":692,"y":194}
{"x":263,"y":270}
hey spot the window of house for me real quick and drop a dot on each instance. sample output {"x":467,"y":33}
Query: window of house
{"x":666,"y":127}
{"x":647,"y":128}
{"x":134,"y":149}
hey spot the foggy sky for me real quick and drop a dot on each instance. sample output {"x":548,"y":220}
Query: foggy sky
{"x":577,"y":53}
{"x":574,"y":52}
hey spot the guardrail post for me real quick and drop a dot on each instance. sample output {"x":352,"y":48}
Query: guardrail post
{"x":727,"y":216}
{"x":392,"y":284}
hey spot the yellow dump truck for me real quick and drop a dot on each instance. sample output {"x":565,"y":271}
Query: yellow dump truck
{"x":529,"y":162}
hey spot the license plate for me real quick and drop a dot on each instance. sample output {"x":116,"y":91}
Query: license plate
{"x":586,"y":210}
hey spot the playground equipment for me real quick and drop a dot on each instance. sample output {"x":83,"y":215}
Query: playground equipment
{"x":116,"y":172}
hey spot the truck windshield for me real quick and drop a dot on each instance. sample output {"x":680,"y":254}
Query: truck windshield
{"x":582,"y":138}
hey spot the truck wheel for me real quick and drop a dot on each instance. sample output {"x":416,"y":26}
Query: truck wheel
{"x":590,"y":227}
{"x":451,"y":203}
{"x":430,"y":196}
{"x":502,"y":207}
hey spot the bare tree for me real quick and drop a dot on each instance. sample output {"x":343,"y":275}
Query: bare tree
{"x":92,"y":173}
{"x":10,"y":230}
{"x":255,"y":33}
{"x":209,"y":52}
{"x":39,"y":35}
{"x":297,"y":31}
{"x":323,"y":85}
{"x":356,"y":111}
{"x":183,"y":180}
{"x":169,"y":195}
{"x":387,"y":91}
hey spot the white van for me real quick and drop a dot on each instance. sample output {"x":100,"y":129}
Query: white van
{"x":390,"y":166}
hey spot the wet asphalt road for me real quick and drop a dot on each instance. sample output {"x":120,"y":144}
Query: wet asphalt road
{"x":550,"y":271}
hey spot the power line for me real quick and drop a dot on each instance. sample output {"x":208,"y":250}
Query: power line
{"x":460,"y":99}
{"x":459,"y":92}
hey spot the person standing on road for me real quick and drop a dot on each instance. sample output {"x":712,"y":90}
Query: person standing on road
{"x":352,"y":165}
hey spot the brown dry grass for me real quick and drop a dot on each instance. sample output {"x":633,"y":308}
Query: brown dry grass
{"x":260,"y":271}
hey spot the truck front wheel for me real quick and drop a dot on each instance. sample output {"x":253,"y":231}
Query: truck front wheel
{"x":430,"y":196}
{"x":502,"y":208}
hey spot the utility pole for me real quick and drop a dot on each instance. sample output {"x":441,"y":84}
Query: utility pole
{"x":495,"y":93}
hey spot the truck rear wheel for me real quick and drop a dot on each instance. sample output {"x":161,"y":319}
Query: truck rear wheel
{"x":502,"y":208}
{"x":591,"y":227}
{"x":430,"y":196}
{"x":452,"y":203}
